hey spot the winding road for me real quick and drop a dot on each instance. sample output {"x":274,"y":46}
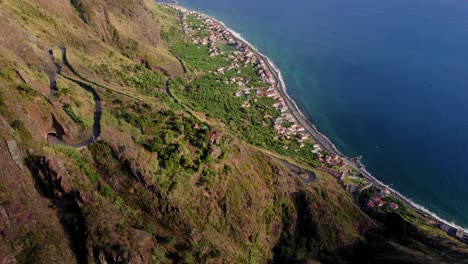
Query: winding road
{"x":96,"y":131}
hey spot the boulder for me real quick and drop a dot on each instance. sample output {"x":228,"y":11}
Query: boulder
{"x":215,"y":152}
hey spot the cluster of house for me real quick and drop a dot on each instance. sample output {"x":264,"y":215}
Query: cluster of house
{"x":330,"y":160}
{"x":244,"y":55}
{"x":377,"y":201}
{"x":337,"y":174}
{"x":455,"y":232}
{"x":216,"y":32}
{"x":286,"y":125}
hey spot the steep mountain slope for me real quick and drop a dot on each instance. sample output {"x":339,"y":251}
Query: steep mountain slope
{"x":158,"y":185}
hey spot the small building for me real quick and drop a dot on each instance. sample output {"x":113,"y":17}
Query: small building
{"x":212,"y":136}
{"x":376,"y":199}
{"x":449,"y":229}
{"x":465,"y":237}
{"x":386,"y":191}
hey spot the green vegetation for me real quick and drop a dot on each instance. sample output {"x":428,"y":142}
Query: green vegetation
{"x":82,"y":164}
{"x":17,"y":124}
{"x":197,"y":57}
{"x":180,"y":148}
{"x":194,"y":23}
{"x":171,"y":35}
{"x":210,"y":94}
{"x":68,"y":109}
{"x":213,"y":93}
{"x":26,"y":89}
{"x":226,"y":48}
{"x":145,"y":80}
{"x":20,"y":129}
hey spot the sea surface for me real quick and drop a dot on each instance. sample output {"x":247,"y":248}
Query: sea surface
{"x":386,"y":79}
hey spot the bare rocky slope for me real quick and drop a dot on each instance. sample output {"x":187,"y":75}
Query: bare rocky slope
{"x":153,"y":188}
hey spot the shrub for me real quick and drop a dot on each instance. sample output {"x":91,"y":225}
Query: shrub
{"x":227,"y":169}
{"x":24,"y":88}
{"x":106,"y":191}
{"x":17,"y":124}
{"x":68,"y":109}
{"x":81,"y":163}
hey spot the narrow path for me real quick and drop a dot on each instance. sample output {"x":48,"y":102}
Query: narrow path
{"x":168,"y":92}
{"x":53,"y":84}
{"x":180,"y":61}
{"x":96,"y":131}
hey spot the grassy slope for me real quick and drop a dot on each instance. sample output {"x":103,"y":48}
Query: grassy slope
{"x":138,"y":206}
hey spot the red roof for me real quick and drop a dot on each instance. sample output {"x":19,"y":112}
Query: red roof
{"x":212,"y":136}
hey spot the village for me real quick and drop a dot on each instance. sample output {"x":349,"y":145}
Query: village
{"x":285,"y":125}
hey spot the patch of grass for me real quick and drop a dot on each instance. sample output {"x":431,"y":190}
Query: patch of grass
{"x":18,"y":126}
{"x":80,"y":162}
{"x":145,"y":80}
{"x":106,"y":191}
{"x":68,"y":109}
{"x":28,"y":90}
{"x":171,"y":34}
{"x":7,"y":73}
{"x":226,"y":48}
{"x":357,"y":180}
{"x":197,"y":57}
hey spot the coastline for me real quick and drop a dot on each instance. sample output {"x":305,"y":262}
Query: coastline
{"x":324,"y":141}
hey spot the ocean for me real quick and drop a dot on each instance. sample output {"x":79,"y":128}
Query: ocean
{"x":387,"y":80}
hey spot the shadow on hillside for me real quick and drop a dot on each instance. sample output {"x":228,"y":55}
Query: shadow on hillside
{"x":394,"y":241}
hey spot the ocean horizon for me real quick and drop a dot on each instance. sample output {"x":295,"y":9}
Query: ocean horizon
{"x":384,"y":80}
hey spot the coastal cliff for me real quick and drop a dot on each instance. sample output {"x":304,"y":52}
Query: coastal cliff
{"x":193,"y":163}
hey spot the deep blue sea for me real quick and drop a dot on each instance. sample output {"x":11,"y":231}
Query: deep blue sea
{"x":386,"y":79}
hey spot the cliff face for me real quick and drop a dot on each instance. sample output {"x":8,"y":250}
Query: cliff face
{"x":162,"y":183}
